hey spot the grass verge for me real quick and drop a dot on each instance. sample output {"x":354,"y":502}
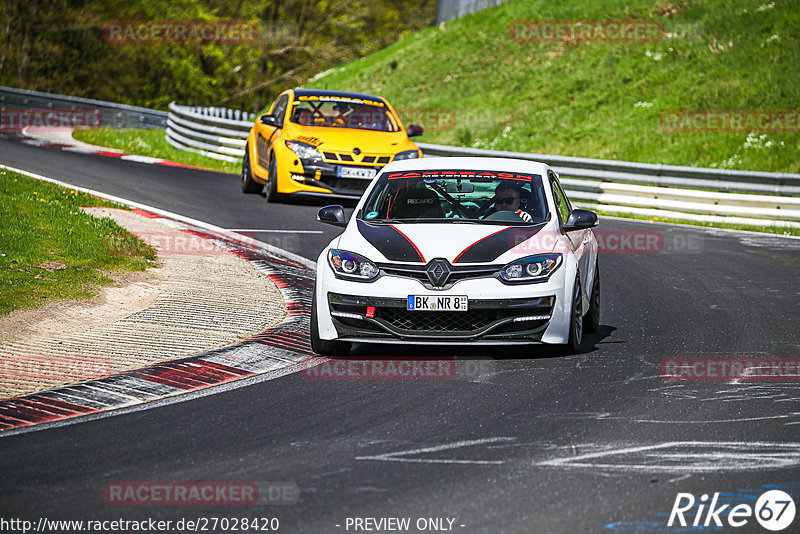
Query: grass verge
{"x":481,"y":82}
{"x":51,"y":250}
{"x":148,"y":142}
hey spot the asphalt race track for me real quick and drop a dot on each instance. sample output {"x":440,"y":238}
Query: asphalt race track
{"x":596,"y":442}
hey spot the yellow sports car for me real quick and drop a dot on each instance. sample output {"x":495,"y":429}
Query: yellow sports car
{"x":314,"y":142}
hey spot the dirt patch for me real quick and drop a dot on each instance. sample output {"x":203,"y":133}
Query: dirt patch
{"x":200,"y":298}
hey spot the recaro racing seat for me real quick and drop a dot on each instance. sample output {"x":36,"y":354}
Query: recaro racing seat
{"x":418,"y":203}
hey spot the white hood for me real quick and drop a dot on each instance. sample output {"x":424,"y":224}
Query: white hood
{"x":459,"y":243}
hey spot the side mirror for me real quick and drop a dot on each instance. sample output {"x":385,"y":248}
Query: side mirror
{"x":414,"y":130}
{"x":269,"y":120}
{"x":580,"y":220}
{"x":332,"y":215}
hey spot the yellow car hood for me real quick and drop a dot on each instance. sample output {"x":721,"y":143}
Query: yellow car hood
{"x":346,"y":139}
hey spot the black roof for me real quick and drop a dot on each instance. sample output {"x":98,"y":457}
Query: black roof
{"x":325,"y":92}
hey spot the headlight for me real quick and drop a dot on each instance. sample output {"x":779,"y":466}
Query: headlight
{"x":408,"y":154}
{"x":303,"y":150}
{"x":351,"y":266}
{"x":531,"y":269}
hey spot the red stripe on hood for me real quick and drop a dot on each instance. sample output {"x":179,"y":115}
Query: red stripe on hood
{"x":412,"y":243}
{"x":478,"y":241}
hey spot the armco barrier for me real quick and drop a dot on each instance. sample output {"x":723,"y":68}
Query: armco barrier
{"x":694,"y":193}
{"x":644,"y":173}
{"x":742,"y":197}
{"x":112,"y":115}
{"x":218,"y":133}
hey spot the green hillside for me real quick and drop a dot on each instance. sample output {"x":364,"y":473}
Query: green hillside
{"x":474,"y":85}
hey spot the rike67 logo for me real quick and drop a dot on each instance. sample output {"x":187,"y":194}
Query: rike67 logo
{"x":774,"y":510}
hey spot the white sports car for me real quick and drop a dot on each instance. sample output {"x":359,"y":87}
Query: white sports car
{"x":458,"y":250}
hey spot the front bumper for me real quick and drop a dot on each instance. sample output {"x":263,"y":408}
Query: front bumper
{"x":524,"y":319}
{"x":541,"y":310}
{"x":325,"y":175}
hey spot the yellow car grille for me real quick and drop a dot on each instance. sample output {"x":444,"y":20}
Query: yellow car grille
{"x":349,"y":157}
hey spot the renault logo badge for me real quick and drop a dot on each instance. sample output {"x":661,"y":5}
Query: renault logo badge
{"x":438,"y":272}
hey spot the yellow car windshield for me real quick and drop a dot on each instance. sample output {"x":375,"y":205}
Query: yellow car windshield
{"x":343,"y":115}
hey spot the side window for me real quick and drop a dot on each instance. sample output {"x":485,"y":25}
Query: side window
{"x":279,"y":109}
{"x":562,"y":204}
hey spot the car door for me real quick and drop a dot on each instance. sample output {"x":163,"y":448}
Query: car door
{"x":579,"y":239}
{"x":267,"y":134}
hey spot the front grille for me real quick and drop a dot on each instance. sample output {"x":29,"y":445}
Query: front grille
{"x":419,"y":272}
{"x":355,"y":185}
{"x":349,"y":157}
{"x":435,"y":321}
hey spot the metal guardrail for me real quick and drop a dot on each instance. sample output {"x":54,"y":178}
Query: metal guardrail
{"x":447,"y":10}
{"x":721,"y":195}
{"x":743,"y":197}
{"x":111,"y":114}
{"x":644,"y":173}
{"x":215,"y":132}
{"x":693,"y":193}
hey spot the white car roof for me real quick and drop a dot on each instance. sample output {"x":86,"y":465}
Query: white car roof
{"x":465,"y":163}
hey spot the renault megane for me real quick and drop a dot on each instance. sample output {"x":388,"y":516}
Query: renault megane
{"x":458,"y":250}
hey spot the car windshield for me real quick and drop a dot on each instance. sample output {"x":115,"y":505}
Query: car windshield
{"x":336,"y":112}
{"x":457,"y":196}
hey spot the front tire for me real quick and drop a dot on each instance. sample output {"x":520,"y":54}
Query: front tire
{"x":576,"y":320}
{"x":248,"y":184}
{"x":271,"y":189}
{"x":325,"y":347}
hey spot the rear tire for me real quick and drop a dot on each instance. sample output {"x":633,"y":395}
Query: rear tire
{"x":271,"y":189}
{"x":576,"y":320}
{"x":325,"y":347}
{"x":248,"y":184}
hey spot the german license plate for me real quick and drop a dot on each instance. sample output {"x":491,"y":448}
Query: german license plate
{"x":437,"y":303}
{"x":355,"y":172}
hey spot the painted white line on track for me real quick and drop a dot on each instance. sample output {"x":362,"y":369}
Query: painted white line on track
{"x":141,"y":159}
{"x":706,"y":229}
{"x":401,"y":456}
{"x":164,"y":213}
{"x":688,"y":457}
{"x":266,"y":231}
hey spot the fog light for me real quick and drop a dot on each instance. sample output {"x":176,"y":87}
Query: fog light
{"x":346,"y":315}
{"x":530,"y":318}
